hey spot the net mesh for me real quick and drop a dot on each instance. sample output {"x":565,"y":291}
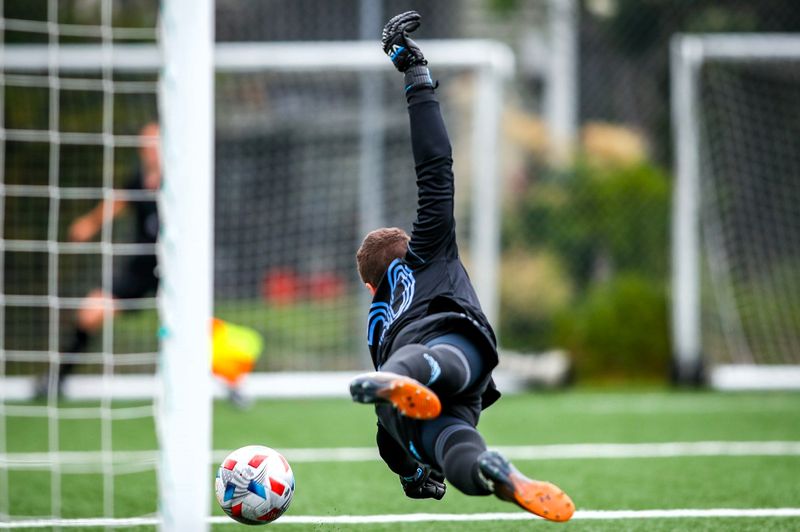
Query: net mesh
{"x":750,"y":211}
{"x":293,"y":165}
{"x":69,"y":141}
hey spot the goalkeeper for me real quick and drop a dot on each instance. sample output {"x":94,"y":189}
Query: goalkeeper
{"x":428,"y":337}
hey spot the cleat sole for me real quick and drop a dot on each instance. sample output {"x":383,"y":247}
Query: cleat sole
{"x":537,"y":497}
{"x":411,"y":398}
{"x":542,"y":498}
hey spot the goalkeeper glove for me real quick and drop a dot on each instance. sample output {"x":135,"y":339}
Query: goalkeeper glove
{"x":424,"y":484}
{"x":396,"y":43}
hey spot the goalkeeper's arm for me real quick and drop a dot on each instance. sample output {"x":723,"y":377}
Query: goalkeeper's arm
{"x":434,"y":228}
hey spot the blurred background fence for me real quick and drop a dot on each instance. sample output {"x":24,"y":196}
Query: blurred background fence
{"x":585,"y":242}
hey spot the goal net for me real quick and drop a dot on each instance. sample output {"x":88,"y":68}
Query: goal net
{"x":69,"y":150}
{"x":311,"y":152}
{"x":737,"y":209}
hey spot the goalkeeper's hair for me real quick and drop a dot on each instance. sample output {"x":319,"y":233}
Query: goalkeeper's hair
{"x":379,"y":248}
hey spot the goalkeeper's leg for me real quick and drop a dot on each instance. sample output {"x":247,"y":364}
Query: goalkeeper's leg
{"x":416,"y":376}
{"x":538,"y":497}
{"x":459,"y":450}
{"x":449,"y":364}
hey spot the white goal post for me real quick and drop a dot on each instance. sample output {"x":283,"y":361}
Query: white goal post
{"x":185,"y":254}
{"x":706,"y":285}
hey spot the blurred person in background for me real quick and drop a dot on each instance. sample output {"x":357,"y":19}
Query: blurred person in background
{"x":137,"y":277}
{"x":431,"y":344}
{"x":235,"y":349}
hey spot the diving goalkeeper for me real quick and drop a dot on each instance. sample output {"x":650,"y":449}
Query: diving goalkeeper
{"x":429,"y":339}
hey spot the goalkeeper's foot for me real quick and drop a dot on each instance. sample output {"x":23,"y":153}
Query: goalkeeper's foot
{"x":541,"y":498}
{"x":410,"y":397}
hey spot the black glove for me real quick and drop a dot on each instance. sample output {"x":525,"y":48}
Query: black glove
{"x":396,"y":43}
{"x":423,"y":484}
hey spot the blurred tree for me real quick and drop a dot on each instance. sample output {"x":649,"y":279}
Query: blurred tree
{"x":619,"y":330}
{"x":585,"y":268}
{"x":601,"y":221}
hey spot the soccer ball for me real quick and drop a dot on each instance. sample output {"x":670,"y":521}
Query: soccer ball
{"x":255,"y":485}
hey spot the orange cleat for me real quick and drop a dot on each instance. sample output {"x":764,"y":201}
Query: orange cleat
{"x":540,"y":498}
{"x":411,"y":398}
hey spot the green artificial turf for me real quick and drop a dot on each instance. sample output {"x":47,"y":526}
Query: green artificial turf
{"x":368,"y":488}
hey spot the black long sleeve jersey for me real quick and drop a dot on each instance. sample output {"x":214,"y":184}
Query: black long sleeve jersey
{"x":428,"y":293}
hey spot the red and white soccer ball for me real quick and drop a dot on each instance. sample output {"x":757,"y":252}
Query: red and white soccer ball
{"x":255,"y":485}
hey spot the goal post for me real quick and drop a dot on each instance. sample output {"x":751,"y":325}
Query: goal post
{"x":734,"y":222}
{"x":185,"y":246}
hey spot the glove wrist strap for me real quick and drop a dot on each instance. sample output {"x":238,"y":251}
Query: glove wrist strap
{"x":418,"y":76}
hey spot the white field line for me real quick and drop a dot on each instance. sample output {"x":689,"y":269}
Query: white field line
{"x":580,"y":515}
{"x":82,"y":461}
